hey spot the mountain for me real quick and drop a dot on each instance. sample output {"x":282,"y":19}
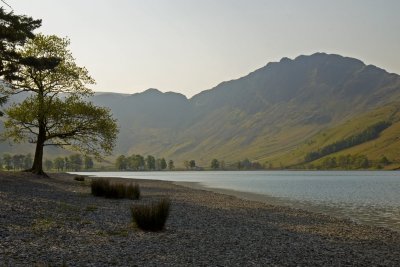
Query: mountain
{"x":276,"y":114}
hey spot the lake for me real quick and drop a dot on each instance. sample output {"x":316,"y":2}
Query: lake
{"x":370,"y":197}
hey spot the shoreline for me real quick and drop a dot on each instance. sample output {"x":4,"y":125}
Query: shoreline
{"x":334,"y":212}
{"x":55,"y":220}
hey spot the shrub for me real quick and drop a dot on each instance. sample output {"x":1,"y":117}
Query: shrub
{"x":104,"y":188}
{"x":79,"y":178}
{"x":99,"y":187}
{"x":133,"y":191}
{"x":151,"y":217}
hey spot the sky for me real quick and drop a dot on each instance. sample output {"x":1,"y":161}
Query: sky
{"x":188,"y":46}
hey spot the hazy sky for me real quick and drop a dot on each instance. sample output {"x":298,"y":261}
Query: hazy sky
{"x":191,"y":45}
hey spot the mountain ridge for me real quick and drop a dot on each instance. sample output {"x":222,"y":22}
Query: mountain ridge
{"x":267,"y":115}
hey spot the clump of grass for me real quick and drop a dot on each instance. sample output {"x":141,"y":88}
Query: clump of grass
{"x":99,"y":187}
{"x":79,"y":178}
{"x":104,"y":188}
{"x":151,"y":217}
{"x":133,"y":191}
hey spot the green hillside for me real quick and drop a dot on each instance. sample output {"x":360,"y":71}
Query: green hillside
{"x":386,"y":144}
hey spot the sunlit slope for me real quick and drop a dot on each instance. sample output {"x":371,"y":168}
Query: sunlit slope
{"x":387,"y":144}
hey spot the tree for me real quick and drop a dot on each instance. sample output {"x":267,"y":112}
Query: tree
{"x":88,"y":162}
{"x":171,"y":165}
{"x":121,"y":163}
{"x":66,"y":164}
{"x":136,"y":162}
{"x":150,"y":162}
{"x":384,"y":160}
{"x":54,"y":114}
{"x":76,"y":162}
{"x":214,"y":164}
{"x":7,"y":160}
{"x":15,"y":30}
{"x":18,"y":161}
{"x":186,"y":164}
{"x":246,"y":164}
{"x":59,"y":163}
{"x":48,"y":164}
{"x":192,"y":164}
{"x":28,"y":161}
{"x":163,"y":164}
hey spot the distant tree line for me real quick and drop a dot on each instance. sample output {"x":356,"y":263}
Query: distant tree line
{"x":349,"y":162}
{"x":190,"y":164}
{"x":75,"y":162}
{"x":16,"y":162}
{"x":246,"y":164}
{"x":368,"y":134}
{"x":140,"y":163}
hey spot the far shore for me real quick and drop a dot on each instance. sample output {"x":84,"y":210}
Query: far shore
{"x":55,"y":221}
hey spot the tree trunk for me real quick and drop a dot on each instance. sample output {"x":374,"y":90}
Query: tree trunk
{"x":37,"y":167}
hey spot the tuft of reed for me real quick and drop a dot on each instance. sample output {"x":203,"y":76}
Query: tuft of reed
{"x":133,"y":191}
{"x":151,"y":217}
{"x":104,"y":188}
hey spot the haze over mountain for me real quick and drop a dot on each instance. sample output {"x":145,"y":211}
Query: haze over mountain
{"x":276,"y":114}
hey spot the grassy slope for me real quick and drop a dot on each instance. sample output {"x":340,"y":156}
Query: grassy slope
{"x":388,"y":143}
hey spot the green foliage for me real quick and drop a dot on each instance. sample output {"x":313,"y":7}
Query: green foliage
{"x":214,"y":164}
{"x":150,"y":162}
{"x":246,"y":164}
{"x":136,"y":162}
{"x":346,"y":162}
{"x":121,"y":163}
{"x":163,"y":164}
{"x":15,"y":30}
{"x":88,"y":161}
{"x":368,"y":134}
{"x":75,"y":162}
{"x":171,"y":165}
{"x":105,"y":188}
{"x":48,"y":164}
{"x":192,"y":163}
{"x":54,"y":113}
{"x":139,"y":163}
{"x":59,"y":163}
{"x":7,"y":161}
{"x":186,"y":164}
{"x":16,"y":161}
{"x":151,"y":217}
{"x":28,"y":161}
{"x":384,"y":161}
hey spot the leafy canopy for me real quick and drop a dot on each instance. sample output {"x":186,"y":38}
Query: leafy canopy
{"x":66,"y":77}
{"x":14,"y":31}
{"x":69,"y":121}
{"x":54,"y":113}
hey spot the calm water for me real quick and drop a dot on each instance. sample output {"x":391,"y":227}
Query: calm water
{"x":363,"y":196}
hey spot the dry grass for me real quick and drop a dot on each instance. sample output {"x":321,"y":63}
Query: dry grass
{"x":151,"y":217}
{"x":105,"y":188}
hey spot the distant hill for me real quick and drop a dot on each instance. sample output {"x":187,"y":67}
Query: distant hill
{"x":275,"y":115}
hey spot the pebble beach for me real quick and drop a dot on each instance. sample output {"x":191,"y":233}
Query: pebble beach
{"x":55,"y":221}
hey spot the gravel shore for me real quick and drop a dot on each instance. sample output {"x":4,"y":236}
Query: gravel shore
{"x":55,"y":221}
